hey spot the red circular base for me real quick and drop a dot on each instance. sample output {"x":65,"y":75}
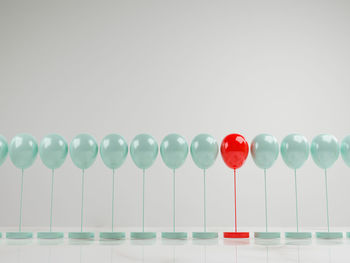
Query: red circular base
{"x":236,"y":234}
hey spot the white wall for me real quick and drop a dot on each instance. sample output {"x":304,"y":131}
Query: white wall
{"x":175,"y":66}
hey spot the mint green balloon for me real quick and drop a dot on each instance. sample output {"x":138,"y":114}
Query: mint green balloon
{"x":174,"y":150}
{"x":345,"y":150}
{"x":144,"y":150}
{"x":264,"y":150}
{"x":23,"y":150}
{"x":204,"y":150}
{"x":324,"y":150}
{"x":53,"y":151}
{"x":295,"y":150}
{"x":113,"y":150}
{"x":83,"y":150}
{"x":3,"y":149}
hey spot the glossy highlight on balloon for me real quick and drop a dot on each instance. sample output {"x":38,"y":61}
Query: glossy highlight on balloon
{"x":23,"y":150}
{"x":3,"y":149}
{"x":204,"y":150}
{"x":264,"y":150}
{"x":295,"y":150}
{"x":53,"y":151}
{"x":324,"y":150}
{"x":83,"y":150}
{"x":174,"y":150}
{"x":143,"y":150}
{"x":234,"y":150}
{"x":113,"y":150}
{"x":345,"y":150}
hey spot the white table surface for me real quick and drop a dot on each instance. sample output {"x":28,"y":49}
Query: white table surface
{"x":217,"y":250}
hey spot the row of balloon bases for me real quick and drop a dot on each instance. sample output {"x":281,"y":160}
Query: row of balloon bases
{"x":204,"y":149}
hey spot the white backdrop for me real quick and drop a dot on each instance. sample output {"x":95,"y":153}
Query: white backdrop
{"x":188,"y":67}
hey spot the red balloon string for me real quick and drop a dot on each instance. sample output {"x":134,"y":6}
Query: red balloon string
{"x":234,"y":185}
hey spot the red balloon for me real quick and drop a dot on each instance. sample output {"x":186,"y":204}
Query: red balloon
{"x":234,"y":150}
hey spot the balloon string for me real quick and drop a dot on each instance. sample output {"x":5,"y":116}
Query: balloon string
{"x":20,"y":206}
{"x":173,"y":200}
{"x":325,"y":177}
{"x":82,"y":201}
{"x":296,"y":199}
{"x":112,"y":200}
{"x":143,"y":200}
{"x":52,"y":182}
{"x":234,"y":186}
{"x":265,"y":200}
{"x":205,"y":203}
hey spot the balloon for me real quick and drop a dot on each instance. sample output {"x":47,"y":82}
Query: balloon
{"x":3,"y":149}
{"x":174,"y":150}
{"x":324,"y":150}
{"x":23,"y":150}
{"x":113,"y":150}
{"x":83,"y":150}
{"x":264,"y":150}
{"x":295,"y":150}
{"x":204,"y":150}
{"x":53,"y":151}
{"x":143,"y":150}
{"x":345,"y":150}
{"x":234,"y":150}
